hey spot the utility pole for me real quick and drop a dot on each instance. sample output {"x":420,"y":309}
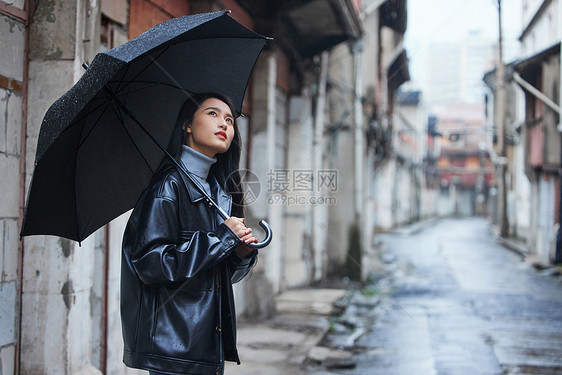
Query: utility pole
{"x":558,"y":252}
{"x":500,"y":115}
{"x":359,"y":200}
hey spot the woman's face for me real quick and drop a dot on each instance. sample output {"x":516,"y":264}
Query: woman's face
{"x":212,"y":129}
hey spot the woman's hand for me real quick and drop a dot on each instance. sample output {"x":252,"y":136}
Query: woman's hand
{"x":236,"y":224}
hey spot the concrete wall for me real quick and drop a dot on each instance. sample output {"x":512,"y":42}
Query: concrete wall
{"x":538,"y":226}
{"x":266,"y":156}
{"x":429,"y":198}
{"x":544,"y":32}
{"x":546,"y":233}
{"x":400,"y":191}
{"x":446,"y":201}
{"x":339,"y":151}
{"x":400,"y":199}
{"x":370,"y":80}
{"x":12,"y":47}
{"x":299,"y":251}
{"x":64,"y":286}
{"x":521,"y":199}
{"x":57,"y":273}
{"x":114,"y":337}
{"x":383,"y":185}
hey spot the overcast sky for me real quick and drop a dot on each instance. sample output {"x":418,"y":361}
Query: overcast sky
{"x":441,"y":20}
{"x":435,"y":21}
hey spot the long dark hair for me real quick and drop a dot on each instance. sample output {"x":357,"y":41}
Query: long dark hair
{"x":226,"y":168}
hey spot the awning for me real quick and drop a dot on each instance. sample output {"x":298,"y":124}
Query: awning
{"x":526,"y":70}
{"x":309,"y":26}
{"x":394,"y":15}
{"x":398,"y":72}
{"x":529,"y":66}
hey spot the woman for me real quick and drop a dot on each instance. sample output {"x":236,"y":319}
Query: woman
{"x":179,"y":257}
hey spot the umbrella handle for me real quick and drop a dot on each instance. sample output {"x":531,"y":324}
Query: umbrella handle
{"x":268,"y":236}
{"x":265,"y":226}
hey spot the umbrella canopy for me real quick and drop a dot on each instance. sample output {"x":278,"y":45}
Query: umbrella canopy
{"x":93,"y":159}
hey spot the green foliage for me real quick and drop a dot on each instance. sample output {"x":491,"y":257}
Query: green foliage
{"x":369,"y":292}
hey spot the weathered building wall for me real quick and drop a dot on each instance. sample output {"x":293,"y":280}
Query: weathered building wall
{"x":544,"y":30}
{"x":409,"y":127}
{"x":70,"y":293}
{"x":12,"y":50}
{"x":370,"y":55}
{"x":540,"y":140}
{"x":551,"y":88}
{"x":57,"y":273}
{"x":339,"y":152}
{"x":266,"y":277}
{"x":299,"y":251}
{"x":383,"y":188}
{"x":114,"y":339}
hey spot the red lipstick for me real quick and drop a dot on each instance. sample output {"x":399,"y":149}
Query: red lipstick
{"x":222,"y":135}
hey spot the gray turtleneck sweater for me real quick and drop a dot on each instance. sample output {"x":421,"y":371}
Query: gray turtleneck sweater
{"x":198,"y":164}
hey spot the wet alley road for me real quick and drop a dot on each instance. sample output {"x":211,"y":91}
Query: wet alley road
{"x":458,"y":302}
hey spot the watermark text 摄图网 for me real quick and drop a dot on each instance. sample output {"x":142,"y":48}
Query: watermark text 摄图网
{"x":287,"y":186}
{"x":292,"y":187}
{"x":302,"y":180}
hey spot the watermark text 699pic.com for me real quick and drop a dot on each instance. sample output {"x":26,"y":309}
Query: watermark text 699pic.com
{"x":292,"y":200}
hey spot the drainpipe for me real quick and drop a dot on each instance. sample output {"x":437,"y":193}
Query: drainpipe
{"x":317,"y":155}
{"x":357,"y":50}
{"x":558,"y":249}
{"x":362,"y":225}
{"x":500,"y":121}
{"x":273,"y":259}
{"x":105,"y":302}
{"x":23,"y":157}
{"x":271,"y":85}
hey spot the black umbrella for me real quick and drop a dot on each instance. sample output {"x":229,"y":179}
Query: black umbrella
{"x":100,"y":143}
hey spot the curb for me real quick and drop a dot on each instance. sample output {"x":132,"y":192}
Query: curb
{"x":282,"y":345}
{"x":513,"y":246}
{"x":412,"y":228}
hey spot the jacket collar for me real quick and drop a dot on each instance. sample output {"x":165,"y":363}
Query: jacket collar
{"x":222,"y":198}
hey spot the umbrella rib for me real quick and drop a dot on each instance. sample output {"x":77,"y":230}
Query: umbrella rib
{"x":76,"y":165}
{"x":115,"y":108}
{"x":122,"y":122}
{"x":121,"y":81}
{"x":127,"y":83}
{"x":133,"y":79}
{"x":79,"y":119}
{"x":95,"y":123}
{"x":106,"y":103}
{"x":154,"y":83}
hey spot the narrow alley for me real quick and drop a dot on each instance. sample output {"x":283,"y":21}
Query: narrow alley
{"x":458,"y":302}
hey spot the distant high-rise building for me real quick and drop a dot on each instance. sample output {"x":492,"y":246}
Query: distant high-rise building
{"x":454,"y":71}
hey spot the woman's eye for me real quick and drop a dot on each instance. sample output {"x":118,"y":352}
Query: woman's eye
{"x":229,"y":120}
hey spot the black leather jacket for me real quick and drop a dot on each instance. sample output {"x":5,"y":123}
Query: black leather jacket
{"x":178,"y":266}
